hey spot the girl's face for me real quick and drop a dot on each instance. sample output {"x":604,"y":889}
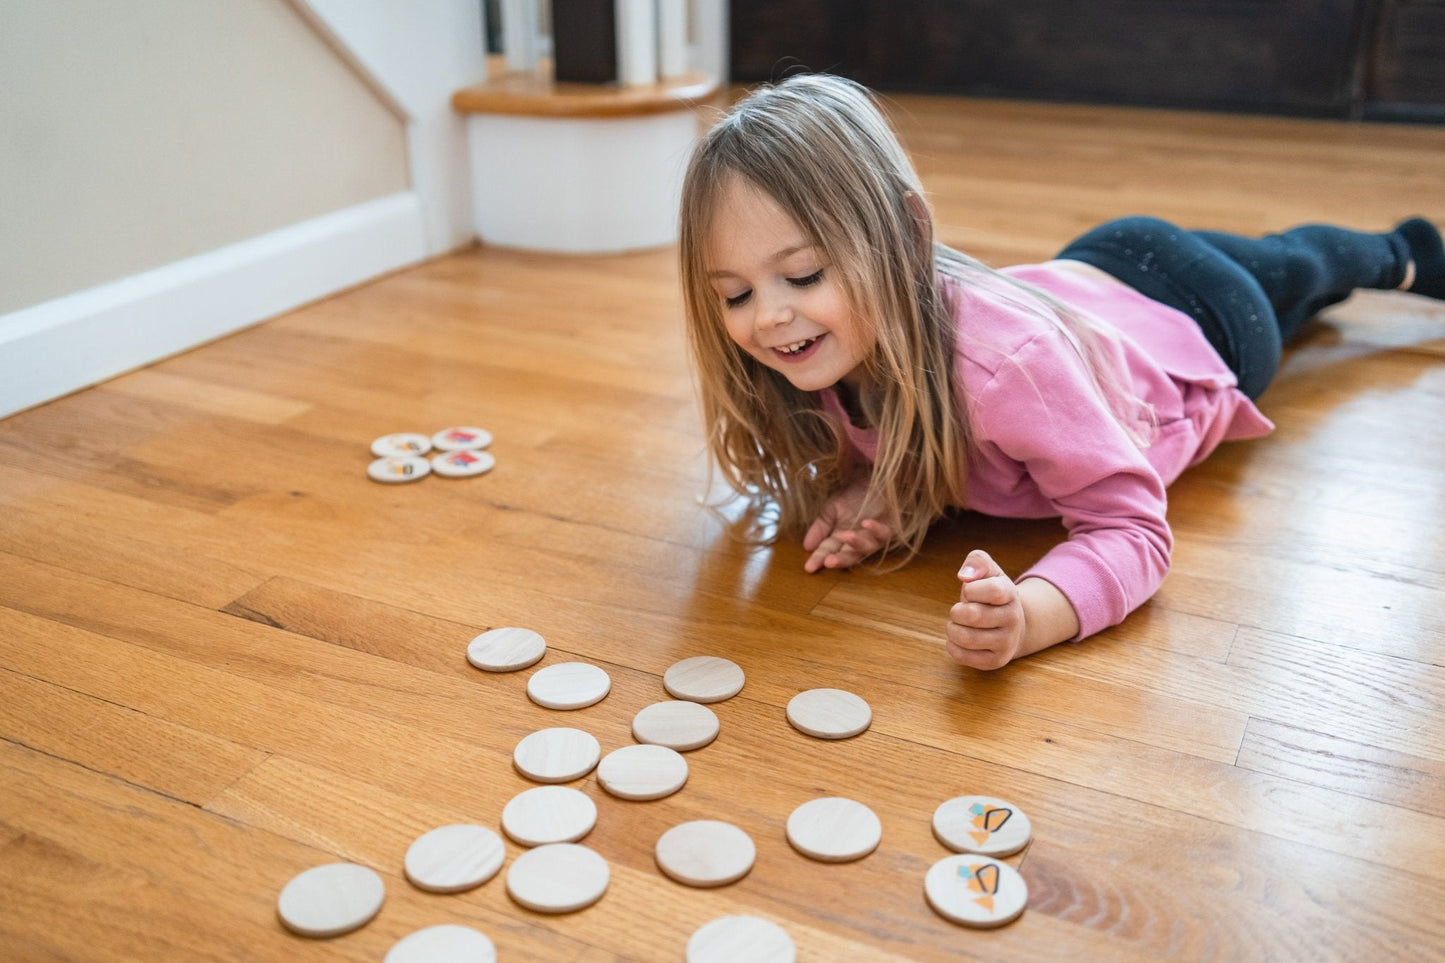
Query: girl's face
{"x":780,"y":299}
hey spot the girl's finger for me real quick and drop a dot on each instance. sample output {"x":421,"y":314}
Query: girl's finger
{"x":982,"y":658}
{"x":817,"y":531}
{"x":973,"y":615}
{"x":979,"y":564}
{"x":862,"y":542}
{"x":996,"y":590}
{"x":877,"y":529}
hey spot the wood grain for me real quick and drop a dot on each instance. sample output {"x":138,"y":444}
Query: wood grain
{"x":226,"y":656}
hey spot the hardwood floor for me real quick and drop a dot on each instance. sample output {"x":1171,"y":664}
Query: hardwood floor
{"x":226,"y":656}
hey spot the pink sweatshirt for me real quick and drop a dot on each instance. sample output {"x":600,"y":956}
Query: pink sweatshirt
{"x":1046,"y":445}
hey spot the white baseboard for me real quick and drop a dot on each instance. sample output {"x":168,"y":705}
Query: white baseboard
{"x":60,"y":346}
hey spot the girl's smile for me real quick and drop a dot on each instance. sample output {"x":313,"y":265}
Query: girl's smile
{"x":780,"y":301}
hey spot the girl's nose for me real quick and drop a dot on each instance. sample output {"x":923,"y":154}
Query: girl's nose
{"x":774,"y":311}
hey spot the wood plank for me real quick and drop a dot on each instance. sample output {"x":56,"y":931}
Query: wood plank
{"x":168,"y":758}
{"x":116,"y":552}
{"x":51,"y":897}
{"x":86,"y":439}
{"x":208,"y":396}
{"x":1345,"y":765}
{"x":1325,"y":688}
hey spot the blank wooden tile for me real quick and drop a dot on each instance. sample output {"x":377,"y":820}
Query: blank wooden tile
{"x":451,"y":859}
{"x":704,"y":678}
{"x":549,"y":814}
{"x":829,"y":713}
{"x":569,"y":685}
{"x":834,"y":829}
{"x":559,"y":754}
{"x":558,"y":878}
{"x":506,"y":649}
{"x":446,"y":943}
{"x":642,"y":772}
{"x":705,"y":852}
{"x":331,"y":900}
{"x":734,"y":939}
{"x":677,"y":724}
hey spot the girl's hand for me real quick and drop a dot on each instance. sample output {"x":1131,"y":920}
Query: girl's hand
{"x":838,"y":538}
{"x":986,"y":625}
{"x":997,"y":620}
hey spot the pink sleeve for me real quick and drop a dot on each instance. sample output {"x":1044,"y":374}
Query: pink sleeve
{"x":1040,"y":410}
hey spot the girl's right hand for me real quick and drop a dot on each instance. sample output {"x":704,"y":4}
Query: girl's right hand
{"x":845,"y":533}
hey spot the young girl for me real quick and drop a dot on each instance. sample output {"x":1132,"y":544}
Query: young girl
{"x":861,"y":379}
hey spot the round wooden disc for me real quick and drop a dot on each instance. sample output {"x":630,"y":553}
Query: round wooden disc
{"x":676,"y":724}
{"x":981,"y":824}
{"x":703,"y":678}
{"x":834,"y":829}
{"x":558,"y":878}
{"x":549,"y":814}
{"x":403,"y":444}
{"x":705,"y":852}
{"x":975,"y":890}
{"x":331,"y":900}
{"x":733,"y":938}
{"x":829,"y":713}
{"x":454,"y":858}
{"x":447,"y":943}
{"x":506,"y":649}
{"x":556,"y":755}
{"x":398,"y":469}
{"x":462,"y":438}
{"x":642,"y":772}
{"x":568,"y":685}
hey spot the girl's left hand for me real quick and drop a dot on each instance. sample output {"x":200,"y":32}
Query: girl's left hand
{"x":846,"y":532}
{"x":844,"y":547}
{"x":986,"y":625}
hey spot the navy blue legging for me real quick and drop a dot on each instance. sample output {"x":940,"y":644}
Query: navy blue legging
{"x":1249,"y":296}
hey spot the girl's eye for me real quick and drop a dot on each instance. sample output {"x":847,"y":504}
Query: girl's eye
{"x":738,"y":300}
{"x":804,"y":282}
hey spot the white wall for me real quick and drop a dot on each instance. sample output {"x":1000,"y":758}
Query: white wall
{"x":171,"y":171}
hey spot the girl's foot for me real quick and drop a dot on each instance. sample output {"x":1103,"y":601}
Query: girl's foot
{"x":1427,"y":256}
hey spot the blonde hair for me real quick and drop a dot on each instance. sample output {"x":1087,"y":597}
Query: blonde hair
{"x":820,"y":148}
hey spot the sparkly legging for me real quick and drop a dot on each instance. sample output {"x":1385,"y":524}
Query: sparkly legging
{"x":1249,"y":296}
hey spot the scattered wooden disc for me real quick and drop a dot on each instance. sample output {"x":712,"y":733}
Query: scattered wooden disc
{"x":677,"y":724}
{"x":981,"y":824}
{"x":549,"y":814}
{"x":506,"y":649}
{"x":834,"y":830}
{"x":975,"y":890}
{"x":703,"y":678}
{"x":447,"y":943}
{"x":558,"y":878}
{"x":731,"y":939}
{"x":642,"y":772}
{"x":331,"y":900}
{"x":557,"y":755}
{"x":463,"y":438}
{"x":829,"y":713}
{"x":568,"y":685}
{"x":403,"y":444}
{"x":705,"y":852}
{"x":451,"y":859}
